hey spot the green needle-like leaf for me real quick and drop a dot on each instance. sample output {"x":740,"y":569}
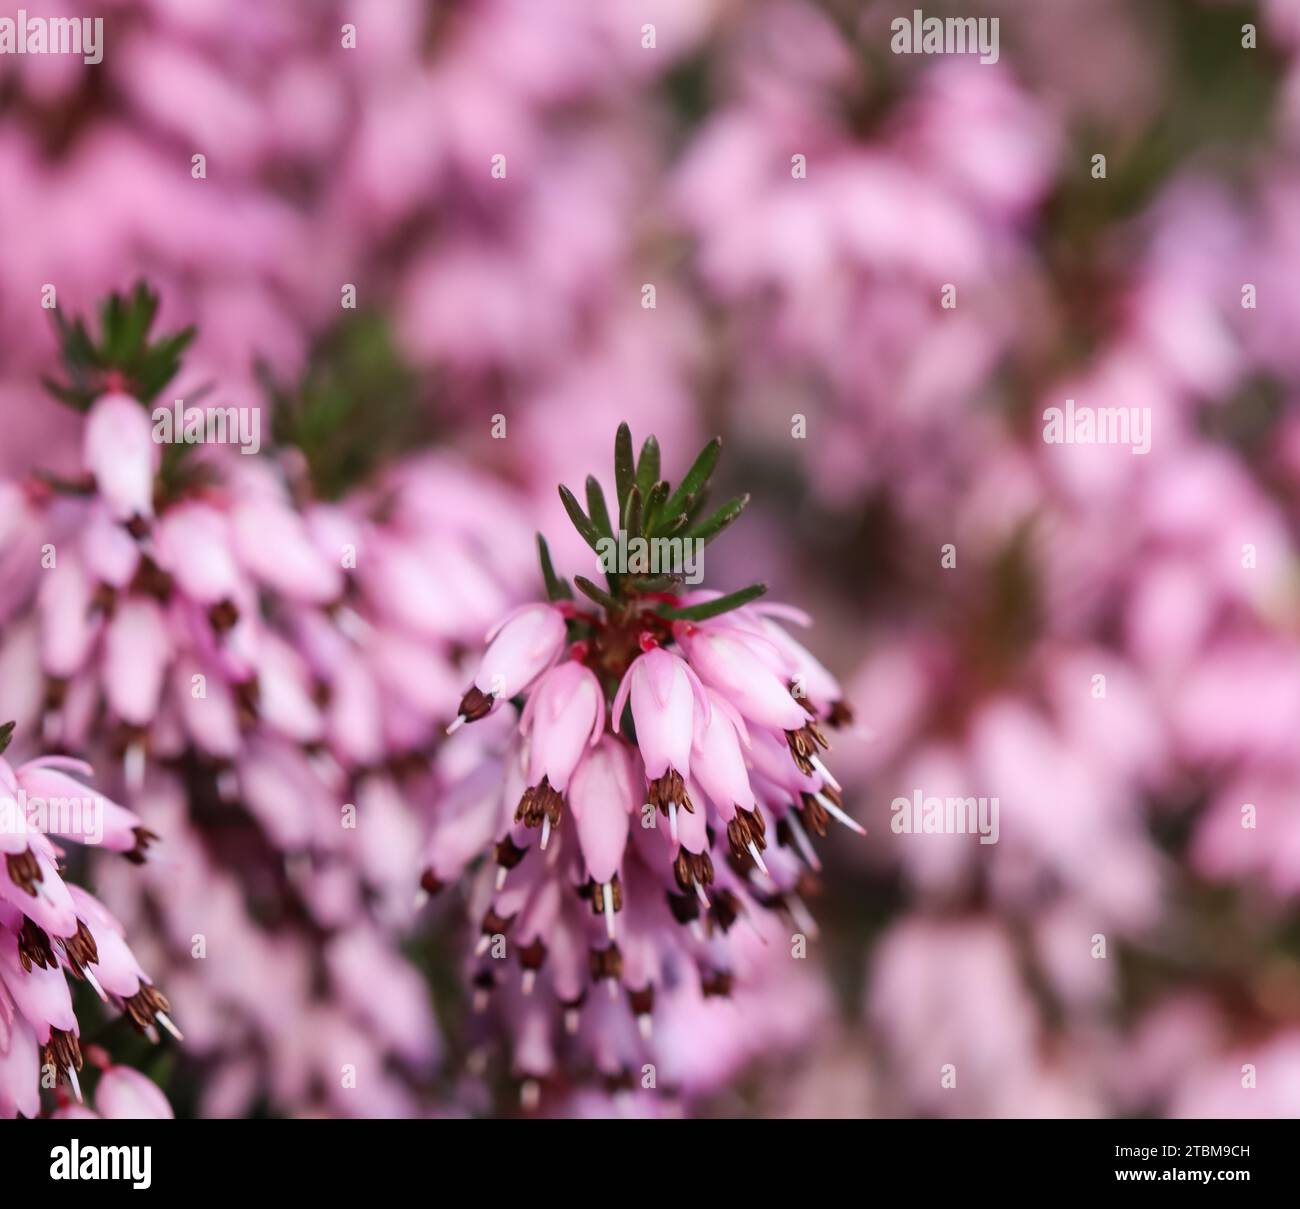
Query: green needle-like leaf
{"x":647,"y":467}
{"x":6,"y":733}
{"x":631,"y":519}
{"x":654,"y":502}
{"x":557,"y":587}
{"x":596,"y":507}
{"x":624,"y":469}
{"x":713,"y":608}
{"x":599,"y":595}
{"x":695,"y":478}
{"x":590,"y":534}
{"x":709,"y":528}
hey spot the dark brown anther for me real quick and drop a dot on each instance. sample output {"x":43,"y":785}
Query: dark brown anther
{"x":144,"y":1006}
{"x":137,"y":527}
{"x":533,"y":956}
{"x":841,"y":715}
{"x":484,"y":979}
{"x":642,"y":1001}
{"x":103,"y":600}
{"x":692,"y":867}
{"x":223,"y":616}
{"x":620,"y":1081}
{"x":509,"y":854}
{"x":784,"y":834}
{"x":143,"y":838}
{"x":63,"y":1052}
{"x":80,"y":950}
{"x":34,"y":947}
{"x":475,"y":705}
{"x":429,"y":882}
{"x":151,"y":580}
{"x":803,"y":744}
{"x":539,"y":802}
{"x":685,"y":907}
{"x":593,"y":891}
{"x":606,"y":963}
{"x":724,"y":908}
{"x":813,"y":813}
{"x":248,"y":701}
{"x":745,"y":829}
{"x":494,"y":924}
{"x":718,"y":983}
{"x":669,"y":789}
{"x":24,"y":870}
{"x":56,"y":692}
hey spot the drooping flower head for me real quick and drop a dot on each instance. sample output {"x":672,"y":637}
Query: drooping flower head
{"x":656,"y":782}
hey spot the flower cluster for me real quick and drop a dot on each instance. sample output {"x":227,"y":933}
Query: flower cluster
{"x":52,"y":930}
{"x":267,"y":670}
{"x":660,"y":770}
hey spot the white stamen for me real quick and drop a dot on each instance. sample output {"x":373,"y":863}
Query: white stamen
{"x":530,"y":981}
{"x":133,"y":767}
{"x":502,"y":871}
{"x":167,"y":1023}
{"x":546,"y":831}
{"x":457,"y":724}
{"x":607,"y":892}
{"x":572,"y":1018}
{"x":699,"y":893}
{"x":613,"y":989}
{"x":420,"y":898}
{"x":94,"y":983}
{"x":803,"y":918}
{"x":836,"y":813}
{"x":672,"y":820}
{"x":352,"y":624}
{"x":480,"y":1000}
{"x":51,"y":727}
{"x":482,"y":946}
{"x":802,"y":842}
{"x":76,"y":1085}
{"x":758,"y":860}
{"x":697,"y":930}
{"x":530,"y":1095}
{"x":826,"y":773}
{"x":645,"y":1025}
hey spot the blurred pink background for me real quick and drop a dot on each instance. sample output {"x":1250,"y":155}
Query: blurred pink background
{"x":1129,"y":945}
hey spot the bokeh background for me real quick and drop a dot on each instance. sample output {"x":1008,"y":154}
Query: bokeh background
{"x":501,"y":333}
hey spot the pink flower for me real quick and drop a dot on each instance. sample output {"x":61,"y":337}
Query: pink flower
{"x":124,"y":1094}
{"x":119,"y":450}
{"x":669,"y":708}
{"x":520,"y":648}
{"x":603,"y":796}
{"x":738,"y":665}
{"x":565,"y":710}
